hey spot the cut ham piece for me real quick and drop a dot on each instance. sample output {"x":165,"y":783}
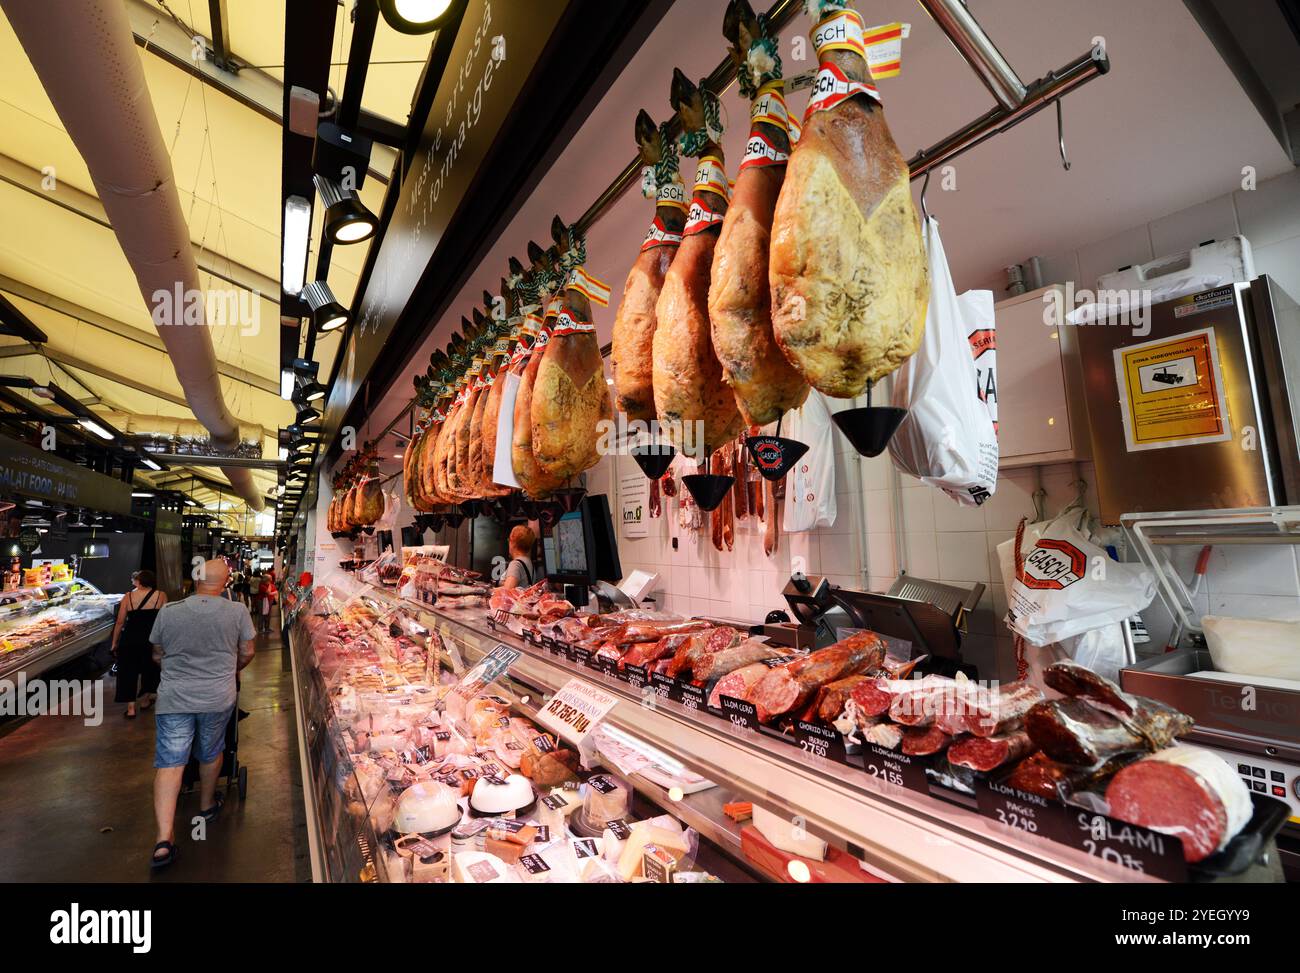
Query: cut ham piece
{"x":848,"y":266}
{"x":632,"y":355}
{"x":688,"y":384}
{"x":765,"y":384}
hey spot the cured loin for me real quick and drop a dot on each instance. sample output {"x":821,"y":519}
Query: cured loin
{"x":693,"y":402}
{"x":791,"y":686}
{"x":632,"y":354}
{"x":570,"y":397}
{"x":1040,"y":774}
{"x":991,"y":752}
{"x":848,"y":267}
{"x":714,"y":665}
{"x":1186,"y":792}
{"x":765,"y":384}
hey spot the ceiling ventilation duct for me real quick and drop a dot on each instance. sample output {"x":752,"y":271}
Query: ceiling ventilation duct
{"x":88,"y":63}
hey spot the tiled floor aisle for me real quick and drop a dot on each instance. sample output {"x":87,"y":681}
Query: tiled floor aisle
{"x":62,"y":784}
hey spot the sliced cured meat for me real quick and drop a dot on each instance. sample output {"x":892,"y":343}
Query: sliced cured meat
{"x":1185,"y":792}
{"x":737,"y":683}
{"x":713,"y":665}
{"x":991,"y":752}
{"x":689,"y":389}
{"x":830,"y":699}
{"x":848,"y":266}
{"x":921,"y":741}
{"x":873,"y":697}
{"x":632,"y":354}
{"x":923,"y":700}
{"x":570,"y":397}
{"x":1040,"y":774}
{"x":887,"y":735}
{"x":1007,"y":711}
{"x":790,"y":687}
{"x":1155,"y":722}
{"x":765,"y":384}
{"x":1074,"y":731}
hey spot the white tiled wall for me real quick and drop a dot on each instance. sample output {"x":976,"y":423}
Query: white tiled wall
{"x":897,"y":524}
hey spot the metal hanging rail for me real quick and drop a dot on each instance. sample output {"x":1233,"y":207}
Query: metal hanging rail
{"x":1016,"y":102}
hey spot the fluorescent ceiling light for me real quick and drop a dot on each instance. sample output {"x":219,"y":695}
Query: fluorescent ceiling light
{"x":92,"y":426}
{"x":286,"y":384}
{"x":146,"y":461}
{"x":297,"y":234}
{"x":284,"y":453}
{"x":140,"y":493}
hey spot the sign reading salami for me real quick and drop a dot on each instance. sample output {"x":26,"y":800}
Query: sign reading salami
{"x":576,"y":709}
{"x":1127,"y":845}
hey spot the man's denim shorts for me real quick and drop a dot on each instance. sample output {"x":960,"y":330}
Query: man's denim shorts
{"x":179,"y":733}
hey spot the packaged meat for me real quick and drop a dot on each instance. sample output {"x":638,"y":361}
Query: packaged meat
{"x":874,"y":697}
{"x":631,"y":356}
{"x":789,"y":688}
{"x":986,"y":712}
{"x":1186,"y":792}
{"x":783,"y":866}
{"x":714,"y":665}
{"x":848,"y":268}
{"x":1040,"y":774}
{"x":788,"y":836}
{"x":689,"y":390}
{"x":1155,"y":722}
{"x":985,"y":753}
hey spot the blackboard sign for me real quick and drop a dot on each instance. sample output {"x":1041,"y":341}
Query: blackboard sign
{"x":496,"y":49}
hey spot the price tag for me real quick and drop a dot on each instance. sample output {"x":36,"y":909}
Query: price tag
{"x":818,"y":740}
{"x":894,"y":768}
{"x":605,"y":665}
{"x":543,"y":834}
{"x":543,"y":744}
{"x":663,"y":686}
{"x":1012,"y":808}
{"x":739,"y":712}
{"x":635,"y":675}
{"x":555,"y":802}
{"x":581,"y":656}
{"x":692,"y":697}
{"x":585,"y":848}
{"x":1127,"y":845}
{"x":534,"y":864}
{"x":618,"y":827}
{"x":576,"y":709}
{"x":602,"y":784}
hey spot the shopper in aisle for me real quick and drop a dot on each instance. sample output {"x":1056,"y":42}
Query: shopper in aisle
{"x":201,"y":642}
{"x":265,"y":602}
{"x":519,"y":572}
{"x":137,"y":673}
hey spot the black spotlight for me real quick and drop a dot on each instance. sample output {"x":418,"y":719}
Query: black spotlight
{"x":346,"y":218}
{"x":326,"y":312}
{"x":415,"y":16}
{"x":307,"y":415}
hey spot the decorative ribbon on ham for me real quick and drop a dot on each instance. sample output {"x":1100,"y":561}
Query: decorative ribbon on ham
{"x":658,"y":235}
{"x":593,"y":288}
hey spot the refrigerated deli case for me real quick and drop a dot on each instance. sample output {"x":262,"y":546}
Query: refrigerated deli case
{"x":45,"y":626}
{"x":880,"y":816}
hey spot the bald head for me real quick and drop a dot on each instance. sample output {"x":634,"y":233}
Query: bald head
{"x":212,"y":579}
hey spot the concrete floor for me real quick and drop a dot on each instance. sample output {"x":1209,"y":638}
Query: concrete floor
{"x":76,"y":802}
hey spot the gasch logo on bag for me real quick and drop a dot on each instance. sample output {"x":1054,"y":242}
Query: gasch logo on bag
{"x":1053,"y":564}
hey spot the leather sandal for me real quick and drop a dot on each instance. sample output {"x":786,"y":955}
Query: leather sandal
{"x":213,"y":811}
{"x":167,"y":859}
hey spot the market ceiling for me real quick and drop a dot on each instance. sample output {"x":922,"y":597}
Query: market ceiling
{"x":61,"y":266}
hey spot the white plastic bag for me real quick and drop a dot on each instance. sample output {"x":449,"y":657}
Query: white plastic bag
{"x":947,"y":439}
{"x":810,"y":485}
{"x":982,"y":336}
{"x":503,"y":468}
{"x":1068,"y":585}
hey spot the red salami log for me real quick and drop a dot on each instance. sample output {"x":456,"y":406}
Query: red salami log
{"x":1186,"y":792}
{"x":791,"y":686}
{"x":991,"y":752}
{"x":873,"y":698}
{"x":829,"y":702}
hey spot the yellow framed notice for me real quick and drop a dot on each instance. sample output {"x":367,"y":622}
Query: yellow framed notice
{"x":1171,"y":392}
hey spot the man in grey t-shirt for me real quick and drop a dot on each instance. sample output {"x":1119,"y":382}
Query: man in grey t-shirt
{"x":201,"y":642}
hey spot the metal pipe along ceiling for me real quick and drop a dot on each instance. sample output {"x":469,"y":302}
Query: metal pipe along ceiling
{"x":88,"y":64}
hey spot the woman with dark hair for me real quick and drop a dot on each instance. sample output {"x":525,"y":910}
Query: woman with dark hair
{"x":137,"y":673}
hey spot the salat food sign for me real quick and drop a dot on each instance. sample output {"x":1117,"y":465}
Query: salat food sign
{"x":1053,"y":565}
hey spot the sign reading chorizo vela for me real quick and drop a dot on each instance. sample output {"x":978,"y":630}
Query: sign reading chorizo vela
{"x":575,"y":709}
{"x":495,"y":51}
{"x":36,"y":473}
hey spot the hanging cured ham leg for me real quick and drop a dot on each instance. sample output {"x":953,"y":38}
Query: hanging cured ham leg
{"x":765,"y":384}
{"x":632,"y":356}
{"x":848,"y":267}
{"x":536,"y":482}
{"x":570,"y":397}
{"x":692,"y":400}
{"x":514,"y":287}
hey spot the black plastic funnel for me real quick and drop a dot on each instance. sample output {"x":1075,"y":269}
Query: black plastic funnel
{"x":530,"y":508}
{"x":568,"y":498}
{"x":774,"y":456}
{"x":454,"y":519}
{"x":511,"y":504}
{"x":470,"y":508}
{"x":654,"y":458}
{"x":708,"y":489}
{"x":870,"y":428}
{"x":437,"y":522}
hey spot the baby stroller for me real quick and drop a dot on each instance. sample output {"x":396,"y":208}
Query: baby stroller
{"x":231,"y":772}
